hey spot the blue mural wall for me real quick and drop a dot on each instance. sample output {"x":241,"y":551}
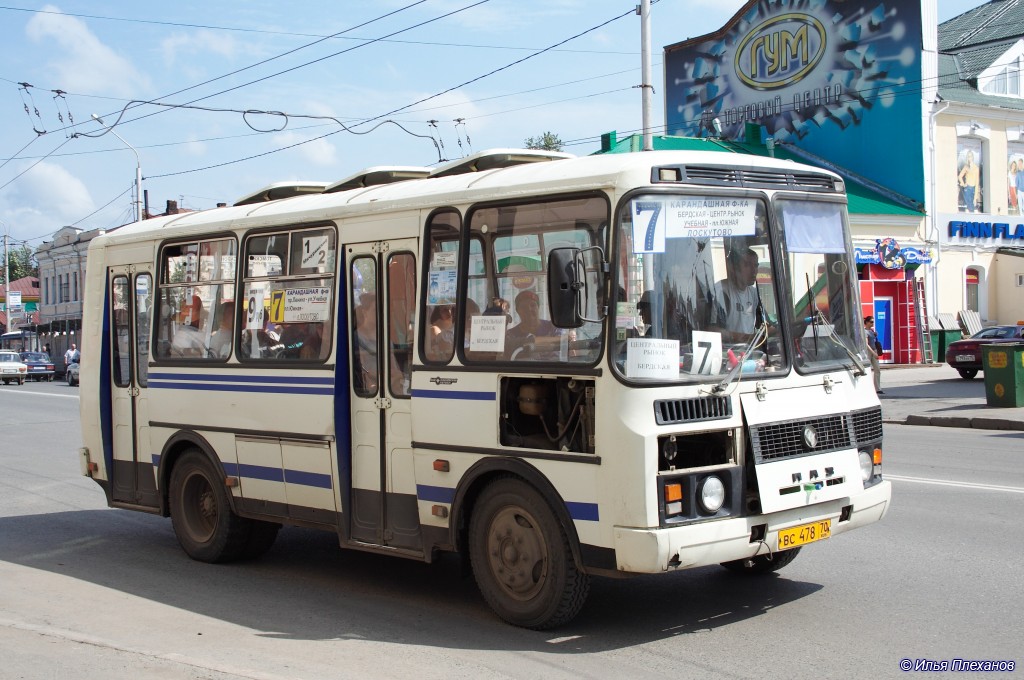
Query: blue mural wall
{"x":839,"y":79}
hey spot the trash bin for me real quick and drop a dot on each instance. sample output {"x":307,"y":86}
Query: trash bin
{"x":940,"y":341}
{"x":1004,"y":373}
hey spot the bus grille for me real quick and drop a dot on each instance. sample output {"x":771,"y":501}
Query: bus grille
{"x":867,"y":425}
{"x":771,"y":179}
{"x":672,"y":411}
{"x":775,"y":441}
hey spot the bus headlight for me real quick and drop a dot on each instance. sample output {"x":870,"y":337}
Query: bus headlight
{"x":866,"y":465}
{"x":712,"y":494}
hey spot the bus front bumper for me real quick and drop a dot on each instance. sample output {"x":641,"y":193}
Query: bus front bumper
{"x":649,"y":551}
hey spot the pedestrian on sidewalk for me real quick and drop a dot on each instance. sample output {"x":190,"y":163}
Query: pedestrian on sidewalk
{"x":874,"y":349}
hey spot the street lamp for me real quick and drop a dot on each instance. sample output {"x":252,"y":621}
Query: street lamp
{"x":138,"y":168}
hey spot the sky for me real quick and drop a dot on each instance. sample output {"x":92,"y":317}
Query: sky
{"x":221,"y":98}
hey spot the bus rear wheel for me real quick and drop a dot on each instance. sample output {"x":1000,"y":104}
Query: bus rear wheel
{"x":202,"y":518}
{"x":521,"y":558}
{"x":763,"y":564}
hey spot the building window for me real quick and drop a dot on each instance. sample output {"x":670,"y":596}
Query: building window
{"x":971,"y":282}
{"x":76,"y":287}
{"x":1007,"y":81}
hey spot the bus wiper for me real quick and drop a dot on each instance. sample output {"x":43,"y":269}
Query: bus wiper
{"x":760,"y":335}
{"x":838,"y":339}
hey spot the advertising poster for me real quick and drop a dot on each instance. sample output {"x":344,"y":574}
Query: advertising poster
{"x":969,"y":176}
{"x":839,"y":79}
{"x":1015,"y":178}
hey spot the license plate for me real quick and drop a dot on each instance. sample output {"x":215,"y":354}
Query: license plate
{"x":965,"y":357}
{"x":794,"y":537}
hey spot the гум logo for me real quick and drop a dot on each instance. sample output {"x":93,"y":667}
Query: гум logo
{"x":780,"y":51}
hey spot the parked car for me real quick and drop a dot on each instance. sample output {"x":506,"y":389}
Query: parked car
{"x":72,"y":374}
{"x":11,"y":368}
{"x":965,"y":355}
{"x":40,"y":366}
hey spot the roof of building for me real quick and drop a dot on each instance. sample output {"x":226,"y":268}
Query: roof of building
{"x":994,"y":21}
{"x":28,"y":286}
{"x":956,"y":84}
{"x":862,"y":199}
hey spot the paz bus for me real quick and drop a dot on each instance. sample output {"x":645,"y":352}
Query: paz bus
{"x":556,"y":367}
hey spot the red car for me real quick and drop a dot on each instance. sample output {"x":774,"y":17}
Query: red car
{"x":965,"y":355}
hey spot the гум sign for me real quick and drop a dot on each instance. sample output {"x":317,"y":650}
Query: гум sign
{"x":780,"y":51}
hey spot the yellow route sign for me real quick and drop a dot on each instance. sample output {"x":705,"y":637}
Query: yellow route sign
{"x":277,"y":306}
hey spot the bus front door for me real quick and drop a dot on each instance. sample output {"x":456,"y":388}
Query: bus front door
{"x":132,"y":476}
{"x":382,"y":299}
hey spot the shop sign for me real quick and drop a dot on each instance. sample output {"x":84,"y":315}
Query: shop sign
{"x":888,"y":253}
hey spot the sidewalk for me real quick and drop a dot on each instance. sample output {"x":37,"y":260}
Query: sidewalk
{"x":936,"y":395}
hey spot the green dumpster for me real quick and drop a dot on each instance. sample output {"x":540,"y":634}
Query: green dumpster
{"x":940,"y":341}
{"x":1004,"y":373}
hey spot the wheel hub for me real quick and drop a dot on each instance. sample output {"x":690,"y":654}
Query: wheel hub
{"x":516,"y":553}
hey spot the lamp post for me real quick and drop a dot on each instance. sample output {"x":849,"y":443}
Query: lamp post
{"x":138,"y":168}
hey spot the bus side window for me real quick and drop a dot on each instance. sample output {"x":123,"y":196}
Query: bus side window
{"x":401,"y":317}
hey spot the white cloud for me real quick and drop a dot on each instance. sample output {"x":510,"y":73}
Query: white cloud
{"x":44,"y":199}
{"x":83,"y":63}
{"x":319,"y":152}
{"x":196,"y":43}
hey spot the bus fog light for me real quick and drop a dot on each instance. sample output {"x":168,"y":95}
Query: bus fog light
{"x":712,"y":494}
{"x":673,"y":508}
{"x":866,"y":465}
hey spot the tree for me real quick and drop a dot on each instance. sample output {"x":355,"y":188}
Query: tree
{"x":548,"y":141}
{"x":22,"y":263}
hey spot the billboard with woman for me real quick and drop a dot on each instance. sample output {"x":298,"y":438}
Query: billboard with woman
{"x":969,"y":176}
{"x":1015,"y":178}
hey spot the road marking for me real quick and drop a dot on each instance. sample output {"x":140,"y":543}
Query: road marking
{"x":43,"y":394}
{"x":965,"y":485}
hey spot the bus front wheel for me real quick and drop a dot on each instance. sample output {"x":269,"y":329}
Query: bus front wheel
{"x":763,"y":564}
{"x":206,"y":527}
{"x":521,"y":558}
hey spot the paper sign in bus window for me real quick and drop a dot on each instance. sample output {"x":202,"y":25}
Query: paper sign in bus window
{"x":707,"y":353}
{"x":307,"y":304}
{"x":707,"y":216}
{"x":315,"y":252}
{"x":487,"y":334}
{"x":445,"y":259}
{"x":655,"y":359}
{"x":441,"y":287}
{"x":648,"y":227}
{"x":254,"y":308}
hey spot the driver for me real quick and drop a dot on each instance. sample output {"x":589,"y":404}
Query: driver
{"x":736,"y":297}
{"x":530,"y":327}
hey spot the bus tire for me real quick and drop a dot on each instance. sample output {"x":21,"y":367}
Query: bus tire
{"x":521,"y":558}
{"x":763,"y":564}
{"x":201,"y":515}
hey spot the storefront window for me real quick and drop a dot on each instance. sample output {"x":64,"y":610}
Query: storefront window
{"x":970,"y":176}
{"x":971,"y":283}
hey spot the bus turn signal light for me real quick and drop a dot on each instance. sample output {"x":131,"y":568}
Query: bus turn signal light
{"x":673,"y":492}
{"x":876,"y":456}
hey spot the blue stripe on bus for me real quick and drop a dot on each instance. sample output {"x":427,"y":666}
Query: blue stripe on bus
{"x":271,"y":379}
{"x":156,"y":384}
{"x":272,"y":474}
{"x":455,"y":394}
{"x":438,"y":494}
{"x":586,"y":512}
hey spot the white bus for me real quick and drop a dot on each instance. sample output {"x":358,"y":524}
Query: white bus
{"x":557,"y":367}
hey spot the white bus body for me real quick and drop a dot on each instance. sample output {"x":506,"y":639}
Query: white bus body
{"x":370,"y":362}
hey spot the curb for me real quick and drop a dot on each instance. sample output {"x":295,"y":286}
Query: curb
{"x":979,"y":423}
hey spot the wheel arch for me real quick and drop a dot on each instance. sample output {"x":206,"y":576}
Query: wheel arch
{"x":173,"y":449}
{"x":483,"y":473}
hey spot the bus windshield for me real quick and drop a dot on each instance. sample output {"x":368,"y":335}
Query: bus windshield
{"x":700,"y":288}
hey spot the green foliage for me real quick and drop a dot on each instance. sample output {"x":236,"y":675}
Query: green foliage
{"x":22,"y":261}
{"x":548,"y":141}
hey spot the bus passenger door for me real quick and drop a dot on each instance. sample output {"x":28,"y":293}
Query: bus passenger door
{"x":133,"y":479}
{"x":382,"y":302}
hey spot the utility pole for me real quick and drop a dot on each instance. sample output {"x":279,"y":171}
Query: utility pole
{"x":138,"y":168}
{"x":644,"y":10}
{"x":7,"y":281}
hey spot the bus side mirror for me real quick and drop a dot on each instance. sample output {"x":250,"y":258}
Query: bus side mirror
{"x":566,"y":287}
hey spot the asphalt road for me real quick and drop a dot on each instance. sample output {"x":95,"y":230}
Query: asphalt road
{"x":90,"y":592}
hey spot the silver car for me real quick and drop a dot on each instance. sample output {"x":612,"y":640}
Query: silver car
{"x":12,"y":369}
{"x":71,"y":374}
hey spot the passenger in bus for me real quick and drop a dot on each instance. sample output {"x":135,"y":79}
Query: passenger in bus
{"x":189,"y":340}
{"x":220,"y":343}
{"x":441,"y":338}
{"x":736,"y":301}
{"x":531,"y":332}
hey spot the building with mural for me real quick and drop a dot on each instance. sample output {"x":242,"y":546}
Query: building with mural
{"x":929,"y":116}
